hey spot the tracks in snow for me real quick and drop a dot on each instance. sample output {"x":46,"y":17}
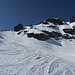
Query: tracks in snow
{"x":52,"y":66}
{"x":33,"y":62}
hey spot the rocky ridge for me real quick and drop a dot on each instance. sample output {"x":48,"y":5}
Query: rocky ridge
{"x":50,"y":28}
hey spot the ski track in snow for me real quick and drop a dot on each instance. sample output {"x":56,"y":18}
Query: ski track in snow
{"x":24,"y":56}
{"x":33,"y":63}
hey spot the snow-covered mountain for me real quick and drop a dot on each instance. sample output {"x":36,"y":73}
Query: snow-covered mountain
{"x":44,"y":49}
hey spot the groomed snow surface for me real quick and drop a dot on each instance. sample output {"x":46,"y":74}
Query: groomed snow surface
{"x":20,"y":55}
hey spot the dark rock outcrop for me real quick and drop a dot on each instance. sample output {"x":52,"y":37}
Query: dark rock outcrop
{"x":51,"y":26}
{"x":40,"y":36}
{"x":45,"y":36}
{"x":45,"y":23}
{"x":53,"y":34}
{"x":19,"y":32}
{"x":31,"y":26}
{"x":67,"y":36}
{"x":72,"y":19}
{"x":70,"y":31}
{"x":18,"y":27}
{"x":55,"y":21}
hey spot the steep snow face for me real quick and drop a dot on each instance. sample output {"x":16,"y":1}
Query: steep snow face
{"x":20,"y":55}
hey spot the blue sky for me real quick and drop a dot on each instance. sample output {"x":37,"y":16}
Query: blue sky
{"x":13,"y":12}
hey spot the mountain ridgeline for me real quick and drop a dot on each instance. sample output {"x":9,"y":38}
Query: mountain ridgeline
{"x":50,"y":28}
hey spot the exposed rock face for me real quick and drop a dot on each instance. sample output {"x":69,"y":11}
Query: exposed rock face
{"x":44,"y":22}
{"x":72,"y":19}
{"x":18,"y":27}
{"x":50,"y":28}
{"x":41,"y":36}
{"x":67,"y":36}
{"x":70,"y":31}
{"x":55,"y":21}
{"x":45,"y":36}
{"x":31,"y":26}
{"x":53,"y":34}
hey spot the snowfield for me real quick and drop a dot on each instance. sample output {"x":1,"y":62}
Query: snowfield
{"x":20,"y":55}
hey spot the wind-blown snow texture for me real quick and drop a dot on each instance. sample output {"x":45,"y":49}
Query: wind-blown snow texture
{"x":20,"y":55}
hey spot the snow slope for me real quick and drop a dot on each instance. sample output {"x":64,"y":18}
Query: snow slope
{"x":20,"y":55}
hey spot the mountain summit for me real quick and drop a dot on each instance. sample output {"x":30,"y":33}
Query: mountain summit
{"x":47,"y":48}
{"x":50,"y":28}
